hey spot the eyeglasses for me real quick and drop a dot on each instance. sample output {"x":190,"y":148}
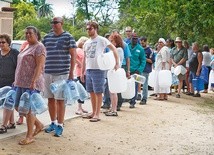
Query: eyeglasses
{"x":178,"y":42}
{"x":89,"y":29}
{"x":128,"y":31}
{"x":2,"y":42}
{"x":55,"y":22}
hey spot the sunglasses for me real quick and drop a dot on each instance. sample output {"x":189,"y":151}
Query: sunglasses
{"x":2,"y":42}
{"x":89,"y":29}
{"x":55,"y":22}
{"x":128,"y":31}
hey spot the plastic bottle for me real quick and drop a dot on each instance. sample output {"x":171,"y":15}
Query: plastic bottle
{"x":83,"y":95}
{"x":57,"y":85}
{"x":38,"y":105}
{"x":9,"y":101}
{"x":139,"y":78}
{"x":3,"y":91}
{"x":70,"y":91}
{"x":24,"y":103}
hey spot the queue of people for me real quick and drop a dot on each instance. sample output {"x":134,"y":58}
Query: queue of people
{"x":59,"y":57}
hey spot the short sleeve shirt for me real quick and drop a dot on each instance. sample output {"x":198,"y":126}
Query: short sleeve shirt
{"x":26,"y":65}
{"x":177,"y":55}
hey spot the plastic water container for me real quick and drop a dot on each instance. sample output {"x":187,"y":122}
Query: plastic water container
{"x":70,"y":91}
{"x":130,"y":91}
{"x":204,"y":74}
{"x":180,"y":70}
{"x":57,"y":86}
{"x":175,"y":80}
{"x":211,"y":79}
{"x":3,"y":91}
{"x":198,"y":84}
{"x":151,"y":79}
{"x":139,"y":78}
{"x":165,"y":78}
{"x":24,"y":103}
{"x":117,"y":81}
{"x":9,"y":101}
{"x":106,"y":61}
{"x":83,"y":95}
{"x":38,"y":105}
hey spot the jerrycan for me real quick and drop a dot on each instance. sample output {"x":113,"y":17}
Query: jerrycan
{"x":198,"y":84}
{"x":130,"y":91}
{"x":211,"y":79}
{"x":106,"y":61}
{"x":139,"y":78}
{"x":3,"y":91}
{"x":9,"y":102}
{"x":83,"y":95}
{"x":165,"y":78}
{"x":117,"y":80}
{"x":151,"y":79}
{"x":24,"y":103}
{"x":57,"y":86}
{"x":38,"y":105}
{"x":180,"y":70}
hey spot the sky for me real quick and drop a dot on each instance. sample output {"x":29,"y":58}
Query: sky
{"x":62,"y":7}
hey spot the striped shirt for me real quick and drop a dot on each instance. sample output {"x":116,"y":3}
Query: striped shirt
{"x":58,"y":55}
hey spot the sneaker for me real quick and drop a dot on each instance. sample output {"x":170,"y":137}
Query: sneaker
{"x":143,"y":102}
{"x":139,"y":97}
{"x":197,"y":95}
{"x":131,"y":106}
{"x":58,"y":131}
{"x":51,"y":128}
{"x":178,"y":96}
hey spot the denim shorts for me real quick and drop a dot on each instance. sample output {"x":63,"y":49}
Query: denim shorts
{"x":95,"y":80}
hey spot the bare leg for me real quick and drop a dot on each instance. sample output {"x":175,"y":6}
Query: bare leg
{"x":98,"y":99}
{"x":6,"y":116}
{"x":60,"y":111}
{"x":114,"y":100}
{"x":93,"y":103}
{"x":180,"y":85}
{"x":52,"y":108}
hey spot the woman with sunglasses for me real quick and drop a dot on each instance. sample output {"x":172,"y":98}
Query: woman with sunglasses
{"x":8,"y":62}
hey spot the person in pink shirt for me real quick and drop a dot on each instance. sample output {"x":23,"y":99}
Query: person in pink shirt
{"x":78,"y":69}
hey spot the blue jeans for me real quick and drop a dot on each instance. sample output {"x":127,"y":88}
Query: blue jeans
{"x":132,"y":101}
{"x":145,"y":87}
{"x":106,"y":95}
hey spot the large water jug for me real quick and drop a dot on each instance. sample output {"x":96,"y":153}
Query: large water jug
{"x":70,"y":91}
{"x":151,"y":79}
{"x":83,"y":95}
{"x":24,"y":103}
{"x":139,"y":78}
{"x":38,"y":105}
{"x":117,"y":81}
{"x":106,"y":61}
{"x":211,"y":79}
{"x":3,"y":91}
{"x":165,"y":78}
{"x":198,"y":84}
{"x":180,"y":70}
{"x":57,"y":86}
{"x":175,"y":80}
{"x":204,"y":74}
{"x":9,"y":101}
{"x":130,"y":91}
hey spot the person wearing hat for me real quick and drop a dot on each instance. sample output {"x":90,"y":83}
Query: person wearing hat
{"x":162,"y":62}
{"x":179,"y":57}
{"x":137,"y":62}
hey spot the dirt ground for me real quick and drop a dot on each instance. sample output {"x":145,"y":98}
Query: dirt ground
{"x":176,"y":126}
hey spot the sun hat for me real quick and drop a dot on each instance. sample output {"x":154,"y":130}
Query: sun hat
{"x":178,"y":39}
{"x":162,"y":40}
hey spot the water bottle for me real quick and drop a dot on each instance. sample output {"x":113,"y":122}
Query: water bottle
{"x":57,"y":86}
{"x":3,"y":91}
{"x":139,"y":78}
{"x":83,"y":95}
{"x":70,"y":91}
{"x":9,"y":101}
{"x":38,"y":105}
{"x":24,"y":103}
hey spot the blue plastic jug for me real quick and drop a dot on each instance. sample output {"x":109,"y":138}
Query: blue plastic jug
{"x":83,"y":95}
{"x":9,"y":101}
{"x":24,"y":103}
{"x":3,"y":91}
{"x":38,"y":105}
{"x":57,"y":86}
{"x":198,"y":84}
{"x":71,"y":92}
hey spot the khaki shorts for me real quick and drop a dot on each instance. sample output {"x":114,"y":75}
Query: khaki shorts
{"x":50,"y":79}
{"x":182,"y":77}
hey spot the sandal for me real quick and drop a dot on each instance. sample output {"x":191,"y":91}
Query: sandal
{"x":111,"y":113}
{"x":26,"y":141}
{"x":11,"y":126}
{"x":3,"y":129}
{"x":20,"y":121}
{"x":87,"y":116}
{"x":94,"y":120}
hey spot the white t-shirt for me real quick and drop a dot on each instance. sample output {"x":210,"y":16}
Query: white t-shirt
{"x":93,"y":48}
{"x":206,"y":58}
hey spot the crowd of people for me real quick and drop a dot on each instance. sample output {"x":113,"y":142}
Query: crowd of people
{"x":59,"y":57}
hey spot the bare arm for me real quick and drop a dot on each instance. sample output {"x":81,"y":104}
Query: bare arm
{"x":200,"y":58}
{"x":73,"y":54}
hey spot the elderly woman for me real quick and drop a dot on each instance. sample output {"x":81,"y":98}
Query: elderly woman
{"x":29,"y":76}
{"x":162,"y":62}
{"x":8,"y":62}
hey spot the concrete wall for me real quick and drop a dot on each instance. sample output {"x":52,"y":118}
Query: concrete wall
{"x":6,"y":20}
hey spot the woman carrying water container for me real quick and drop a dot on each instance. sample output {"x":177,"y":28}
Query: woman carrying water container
{"x":29,"y":76}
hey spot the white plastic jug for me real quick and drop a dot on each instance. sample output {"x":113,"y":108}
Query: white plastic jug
{"x":139,"y":78}
{"x":211,"y":79}
{"x":130,"y":91}
{"x":117,"y":81}
{"x":165,"y":78}
{"x":180,"y":70}
{"x":106,"y":61}
{"x":151,"y":79}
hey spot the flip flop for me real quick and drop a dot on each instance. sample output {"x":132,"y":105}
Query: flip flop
{"x":94,"y":119}
{"x":26,"y":141}
{"x":78,"y":113}
{"x":89,"y":116}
